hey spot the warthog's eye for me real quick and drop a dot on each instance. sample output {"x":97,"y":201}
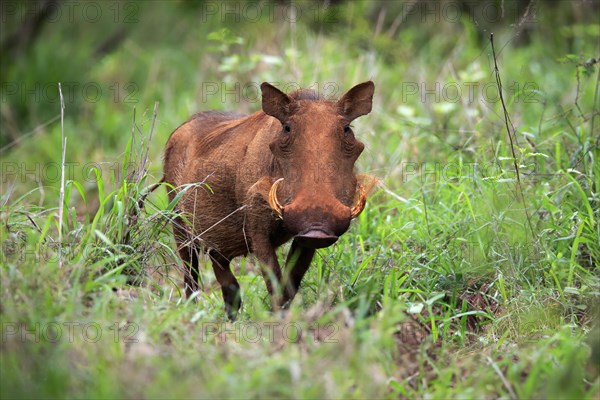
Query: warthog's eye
{"x":283,"y":143}
{"x":348,"y":141}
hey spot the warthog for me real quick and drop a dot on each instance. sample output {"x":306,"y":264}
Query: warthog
{"x":254,"y":182}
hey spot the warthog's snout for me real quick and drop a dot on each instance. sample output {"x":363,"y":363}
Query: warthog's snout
{"x":316,"y":220}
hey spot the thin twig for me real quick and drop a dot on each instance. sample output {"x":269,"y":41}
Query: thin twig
{"x":542,"y":118}
{"x":62,"y":175}
{"x":147,"y":149}
{"x":142,"y":199}
{"x":391,"y":32}
{"x":33,"y":222}
{"x":505,"y":381}
{"x":24,"y":136}
{"x":595,"y":104}
{"x":425,"y":209}
{"x":199,"y":236}
{"x":578,"y":77}
{"x":294,"y":44}
{"x":511,"y":135}
{"x":394,"y":195}
{"x":507,"y":120}
{"x":132,"y":142}
{"x":134,"y":212}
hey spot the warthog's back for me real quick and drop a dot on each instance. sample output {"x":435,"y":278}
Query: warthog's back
{"x":209,"y":151}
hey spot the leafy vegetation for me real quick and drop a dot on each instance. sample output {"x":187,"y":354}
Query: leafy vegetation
{"x":464,"y":276}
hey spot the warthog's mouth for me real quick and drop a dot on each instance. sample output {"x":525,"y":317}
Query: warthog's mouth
{"x":315,"y":238}
{"x":354,"y":211}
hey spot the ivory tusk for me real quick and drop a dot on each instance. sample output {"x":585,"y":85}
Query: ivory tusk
{"x":273,"y":201}
{"x":360,"y":203}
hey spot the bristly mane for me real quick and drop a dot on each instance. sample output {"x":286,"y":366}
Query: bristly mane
{"x":305,"y":94}
{"x":213,"y":138}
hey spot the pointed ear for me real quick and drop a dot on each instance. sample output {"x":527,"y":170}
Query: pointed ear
{"x":357,"y":101}
{"x":275,"y":103}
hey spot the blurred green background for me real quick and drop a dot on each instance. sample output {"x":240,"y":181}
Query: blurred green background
{"x":462,"y":277}
{"x":431,"y":62}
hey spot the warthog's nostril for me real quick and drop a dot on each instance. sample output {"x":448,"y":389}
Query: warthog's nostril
{"x":315,"y":238}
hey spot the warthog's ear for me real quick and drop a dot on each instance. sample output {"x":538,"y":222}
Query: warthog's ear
{"x":357,"y":101}
{"x":275,"y":103}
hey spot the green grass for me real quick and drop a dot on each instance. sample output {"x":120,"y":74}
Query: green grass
{"x":455,"y":282}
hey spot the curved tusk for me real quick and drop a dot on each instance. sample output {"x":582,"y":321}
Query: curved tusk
{"x":360,"y":204}
{"x":273,"y":202}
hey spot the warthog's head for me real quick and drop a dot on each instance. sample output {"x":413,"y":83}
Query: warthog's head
{"x":315,"y":150}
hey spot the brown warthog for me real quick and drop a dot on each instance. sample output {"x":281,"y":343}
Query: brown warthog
{"x":254,"y":182}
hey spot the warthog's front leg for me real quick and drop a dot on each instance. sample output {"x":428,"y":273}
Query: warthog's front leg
{"x":270,"y":269}
{"x":297,"y":263}
{"x":229,"y":285}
